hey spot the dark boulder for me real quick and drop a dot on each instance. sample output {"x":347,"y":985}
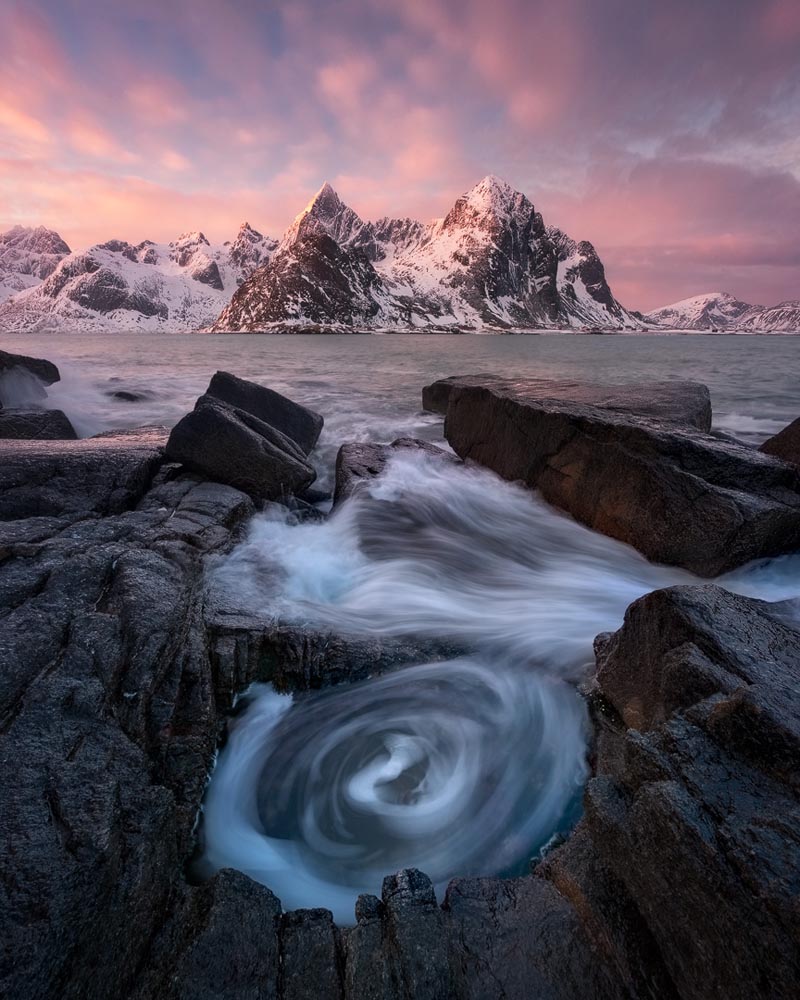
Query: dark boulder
{"x":785,"y":444}
{"x":357,"y":462}
{"x":232,"y":446}
{"x":677,"y":402}
{"x":297,"y":422}
{"x":40,"y":425}
{"x":22,"y":379}
{"x":680,"y":496}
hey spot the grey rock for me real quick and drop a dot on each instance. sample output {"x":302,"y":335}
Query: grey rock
{"x":101,"y":475}
{"x":680,"y":496}
{"x":235,"y":447}
{"x":297,"y":422}
{"x":31,"y":424}
{"x":45,"y":372}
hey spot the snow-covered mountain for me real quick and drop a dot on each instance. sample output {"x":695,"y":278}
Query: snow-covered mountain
{"x":170,"y":287}
{"x":722,"y":312}
{"x":27,"y":256}
{"x":490,"y":264}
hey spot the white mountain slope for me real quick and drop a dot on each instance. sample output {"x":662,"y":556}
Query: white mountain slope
{"x":169,"y":287}
{"x":27,"y":256}
{"x":722,"y":312}
{"x":490,"y":264}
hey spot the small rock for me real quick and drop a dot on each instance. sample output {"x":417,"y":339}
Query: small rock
{"x":785,"y":444}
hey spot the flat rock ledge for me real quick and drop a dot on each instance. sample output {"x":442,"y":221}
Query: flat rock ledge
{"x":680,"y":881}
{"x":630,"y":463}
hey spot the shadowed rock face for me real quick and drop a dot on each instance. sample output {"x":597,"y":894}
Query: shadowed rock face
{"x":45,"y":371}
{"x":232,"y":446}
{"x":297,"y":422}
{"x":785,"y":444}
{"x":624,"y":468}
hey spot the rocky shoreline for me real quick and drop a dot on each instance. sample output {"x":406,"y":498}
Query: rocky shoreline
{"x":120,"y":663}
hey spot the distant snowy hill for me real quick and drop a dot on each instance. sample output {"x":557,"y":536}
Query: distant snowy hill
{"x":722,"y":312}
{"x":490,"y":264}
{"x":170,"y":287}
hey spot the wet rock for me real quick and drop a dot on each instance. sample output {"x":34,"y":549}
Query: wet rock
{"x":45,"y":371}
{"x":785,"y":444}
{"x":130,"y":395}
{"x":357,"y":463}
{"x":680,"y":496}
{"x":234,"y":447}
{"x":310,"y":956}
{"x":678,"y":402}
{"x":29,"y":424}
{"x":101,"y":475}
{"x":297,"y":422}
{"x":700,"y":822}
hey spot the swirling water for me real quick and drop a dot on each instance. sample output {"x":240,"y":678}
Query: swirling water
{"x":467,"y":766}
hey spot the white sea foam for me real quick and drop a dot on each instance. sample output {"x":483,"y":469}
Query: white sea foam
{"x":456,"y":767}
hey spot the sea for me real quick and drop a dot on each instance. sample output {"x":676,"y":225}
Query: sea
{"x":472,"y":765}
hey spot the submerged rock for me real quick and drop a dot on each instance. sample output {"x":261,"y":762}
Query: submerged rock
{"x":35,"y":424}
{"x":234,"y":447}
{"x":358,"y":463}
{"x":785,"y":444}
{"x":301,"y":425}
{"x":680,"y":496}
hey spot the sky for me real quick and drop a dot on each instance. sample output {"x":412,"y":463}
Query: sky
{"x":667,"y":133}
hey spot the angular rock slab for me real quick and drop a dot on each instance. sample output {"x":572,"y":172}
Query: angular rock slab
{"x":680,"y":496}
{"x":678,"y":402}
{"x":301,"y":425}
{"x":234,"y":447}
{"x":785,"y":445}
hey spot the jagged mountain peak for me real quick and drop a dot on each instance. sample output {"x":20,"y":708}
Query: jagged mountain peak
{"x":492,"y":201}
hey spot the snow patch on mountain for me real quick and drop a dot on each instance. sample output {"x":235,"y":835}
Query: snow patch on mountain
{"x":27,"y":256}
{"x":721,"y":312}
{"x":170,"y":287}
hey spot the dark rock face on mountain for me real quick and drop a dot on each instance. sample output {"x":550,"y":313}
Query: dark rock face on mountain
{"x":490,"y":263}
{"x":785,"y":444}
{"x":232,"y":446}
{"x":680,"y":496}
{"x":297,"y":422}
{"x":313,"y":281}
{"x":38,"y":424}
